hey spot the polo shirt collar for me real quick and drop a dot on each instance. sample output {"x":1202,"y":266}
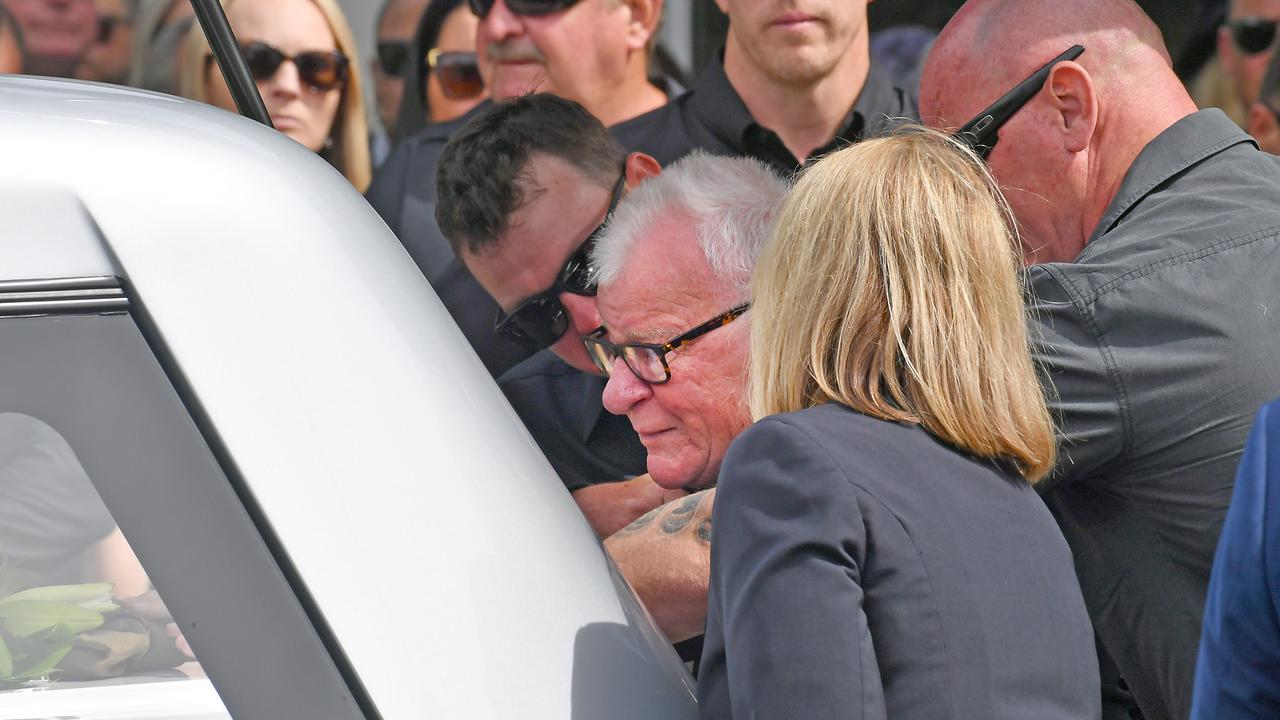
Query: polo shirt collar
{"x":720,"y":108}
{"x":1183,"y":144}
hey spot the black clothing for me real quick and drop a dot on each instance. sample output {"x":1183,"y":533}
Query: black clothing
{"x":50,"y":512}
{"x":561,"y":407}
{"x":712,"y":117}
{"x":1161,"y":340}
{"x":863,"y":569}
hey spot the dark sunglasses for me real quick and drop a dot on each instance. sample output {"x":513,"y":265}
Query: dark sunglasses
{"x":534,"y":8}
{"x":393,"y":55}
{"x":542,"y":319}
{"x":648,"y":361}
{"x":980,"y":133}
{"x":319,"y":70}
{"x":457,"y":72}
{"x":1252,"y":34}
{"x":107,"y":25}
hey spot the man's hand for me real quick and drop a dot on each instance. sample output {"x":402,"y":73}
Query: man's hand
{"x":666,"y":556}
{"x":609,"y":507}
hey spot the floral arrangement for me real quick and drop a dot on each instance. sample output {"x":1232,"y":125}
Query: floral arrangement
{"x":38,"y":624}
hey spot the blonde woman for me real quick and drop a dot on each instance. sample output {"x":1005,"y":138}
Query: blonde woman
{"x":303,"y":57}
{"x":878,"y":550}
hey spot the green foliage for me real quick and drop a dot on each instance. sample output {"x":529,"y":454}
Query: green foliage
{"x":38,"y":624}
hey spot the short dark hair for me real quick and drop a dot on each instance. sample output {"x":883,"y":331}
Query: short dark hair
{"x":481,"y":177}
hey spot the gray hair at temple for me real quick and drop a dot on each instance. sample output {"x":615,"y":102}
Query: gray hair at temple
{"x":731,"y":202}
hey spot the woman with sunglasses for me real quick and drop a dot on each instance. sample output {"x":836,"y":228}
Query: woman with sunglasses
{"x":446,"y":75}
{"x":299,"y":52}
{"x":877,"y":548}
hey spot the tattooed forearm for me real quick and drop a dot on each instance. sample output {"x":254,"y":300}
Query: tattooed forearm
{"x":704,"y":530}
{"x":687,"y":515}
{"x":678,"y":518}
{"x":639,"y":523}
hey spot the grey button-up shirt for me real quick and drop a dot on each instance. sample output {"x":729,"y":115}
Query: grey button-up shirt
{"x":1162,"y":340}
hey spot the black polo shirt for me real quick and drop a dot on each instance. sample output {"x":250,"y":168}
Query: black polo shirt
{"x":562,"y":408}
{"x":712,"y":117}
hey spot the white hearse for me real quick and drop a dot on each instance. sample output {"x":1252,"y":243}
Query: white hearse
{"x":340,"y":510}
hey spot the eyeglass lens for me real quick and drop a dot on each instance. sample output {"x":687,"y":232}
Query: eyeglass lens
{"x":459,"y":75}
{"x":536,"y":324}
{"x":319,"y":70}
{"x":645,"y":362}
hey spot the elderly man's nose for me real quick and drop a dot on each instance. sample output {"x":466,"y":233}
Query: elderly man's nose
{"x":624,"y":389}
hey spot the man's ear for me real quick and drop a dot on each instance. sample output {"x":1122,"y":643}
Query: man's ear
{"x":640,"y":167}
{"x":643,"y":25}
{"x":1075,"y":101}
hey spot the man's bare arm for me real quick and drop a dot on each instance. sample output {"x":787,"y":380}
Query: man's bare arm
{"x":609,"y":507}
{"x":666,"y":556}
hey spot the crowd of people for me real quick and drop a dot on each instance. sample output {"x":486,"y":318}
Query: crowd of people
{"x":889,"y":400}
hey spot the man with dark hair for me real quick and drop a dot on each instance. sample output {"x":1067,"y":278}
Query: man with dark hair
{"x":11,"y":50}
{"x":595,"y":52}
{"x":524,"y":189}
{"x":790,"y":84}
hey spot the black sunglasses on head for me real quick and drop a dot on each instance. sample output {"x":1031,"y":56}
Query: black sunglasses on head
{"x":542,"y":319}
{"x":1252,"y":34}
{"x":319,"y":70}
{"x":980,"y":133}
{"x":534,"y":8}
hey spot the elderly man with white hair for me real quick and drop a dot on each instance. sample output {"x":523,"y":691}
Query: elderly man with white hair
{"x":674,"y":269}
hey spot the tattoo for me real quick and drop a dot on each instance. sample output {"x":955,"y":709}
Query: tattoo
{"x":639,"y":523}
{"x":704,"y":530}
{"x":679,"y":518}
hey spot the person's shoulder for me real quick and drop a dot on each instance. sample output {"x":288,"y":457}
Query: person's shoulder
{"x":662,"y":132}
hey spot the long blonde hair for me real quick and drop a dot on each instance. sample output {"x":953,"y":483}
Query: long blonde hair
{"x":350,"y":132}
{"x":891,"y":285}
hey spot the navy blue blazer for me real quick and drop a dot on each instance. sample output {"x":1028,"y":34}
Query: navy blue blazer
{"x":1238,"y":672}
{"x":863,"y":569}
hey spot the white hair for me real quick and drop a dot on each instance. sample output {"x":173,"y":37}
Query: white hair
{"x":731,"y":201}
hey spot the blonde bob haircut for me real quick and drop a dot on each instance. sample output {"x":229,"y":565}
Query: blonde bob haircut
{"x":349,"y":136}
{"x":891,"y":284}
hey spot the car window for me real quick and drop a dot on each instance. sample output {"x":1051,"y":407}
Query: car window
{"x":78,"y":612}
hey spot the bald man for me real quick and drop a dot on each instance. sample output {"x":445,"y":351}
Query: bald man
{"x":1153,"y":232}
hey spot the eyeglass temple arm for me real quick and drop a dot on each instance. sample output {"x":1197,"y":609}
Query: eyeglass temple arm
{"x":978,"y":131}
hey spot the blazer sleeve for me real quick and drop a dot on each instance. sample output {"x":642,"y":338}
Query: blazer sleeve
{"x":1240,"y":640}
{"x":786,"y":633}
